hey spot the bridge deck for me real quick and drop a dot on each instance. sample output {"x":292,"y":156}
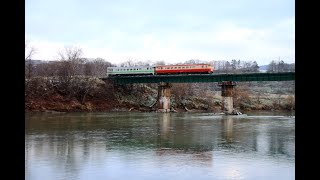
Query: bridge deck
{"x":203,"y":78}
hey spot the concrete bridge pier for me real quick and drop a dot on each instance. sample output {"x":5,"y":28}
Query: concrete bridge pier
{"x":164,"y":93}
{"x":227,"y":91}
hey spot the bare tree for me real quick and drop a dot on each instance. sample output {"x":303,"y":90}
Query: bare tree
{"x":71,"y":64}
{"x":48,"y":69}
{"x":97,"y":67}
{"x":29,"y":52}
{"x":160,"y":62}
{"x":195,"y":61}
{"x":71,"y":58}
{"x":128,"y":63}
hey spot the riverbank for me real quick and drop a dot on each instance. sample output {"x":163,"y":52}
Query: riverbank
{"x":83,"y":94}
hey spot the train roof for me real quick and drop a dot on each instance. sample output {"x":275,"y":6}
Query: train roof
{"x":184,"y":64}
{"x":130,"y":67}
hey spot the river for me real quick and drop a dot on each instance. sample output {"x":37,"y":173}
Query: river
{"x":161,"y":146}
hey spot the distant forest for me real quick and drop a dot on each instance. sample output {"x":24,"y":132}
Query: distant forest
{"x":72,"y":63}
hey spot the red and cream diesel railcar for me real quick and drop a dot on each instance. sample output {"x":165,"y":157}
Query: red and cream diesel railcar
{"x":184,"y":69}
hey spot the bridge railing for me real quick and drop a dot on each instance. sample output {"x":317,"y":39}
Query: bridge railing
{"x":205,"y":78}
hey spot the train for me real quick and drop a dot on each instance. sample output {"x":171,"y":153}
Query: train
{"x":161,"y":70}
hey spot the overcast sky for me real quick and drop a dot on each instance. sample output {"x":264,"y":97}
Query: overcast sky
{"x":169,"y":30}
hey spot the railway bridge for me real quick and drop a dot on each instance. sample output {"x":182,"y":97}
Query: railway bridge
{"x":226,"y":81}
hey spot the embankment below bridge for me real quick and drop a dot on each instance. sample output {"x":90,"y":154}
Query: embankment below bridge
{"x":89,"y":94}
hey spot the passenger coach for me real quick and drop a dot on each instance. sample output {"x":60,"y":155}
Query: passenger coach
{"x":185,"y":69}
{"x":127,"y":71}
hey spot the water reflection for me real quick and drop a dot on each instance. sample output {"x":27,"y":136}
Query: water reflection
{"x":167,"y":147}
{"x":228,"y":124}
{"x":164,"y":122}
{"x":66,"y":145}
{"x":63,"y":133}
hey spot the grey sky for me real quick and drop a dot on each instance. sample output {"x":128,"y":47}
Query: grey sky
{"x":173,"y":31}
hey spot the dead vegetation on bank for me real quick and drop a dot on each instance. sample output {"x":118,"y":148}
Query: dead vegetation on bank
{"x":83,"y":93}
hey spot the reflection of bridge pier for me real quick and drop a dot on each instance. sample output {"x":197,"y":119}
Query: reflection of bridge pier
{"x":227,"y":91}
{"x":165,"y":125}
{"x":164,"y":93}
{"x":228,"y":124}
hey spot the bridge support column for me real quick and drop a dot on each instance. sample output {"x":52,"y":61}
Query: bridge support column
{"x":164,"y":93}
{"x":227,"y":99}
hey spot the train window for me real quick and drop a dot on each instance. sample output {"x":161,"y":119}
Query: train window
{"x":139,"y":68}
{"x":175,"y":67}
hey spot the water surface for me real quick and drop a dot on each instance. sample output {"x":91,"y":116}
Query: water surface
{"x":158,"y":146}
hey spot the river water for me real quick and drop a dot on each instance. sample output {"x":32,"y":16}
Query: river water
{"x":161,"y":146}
